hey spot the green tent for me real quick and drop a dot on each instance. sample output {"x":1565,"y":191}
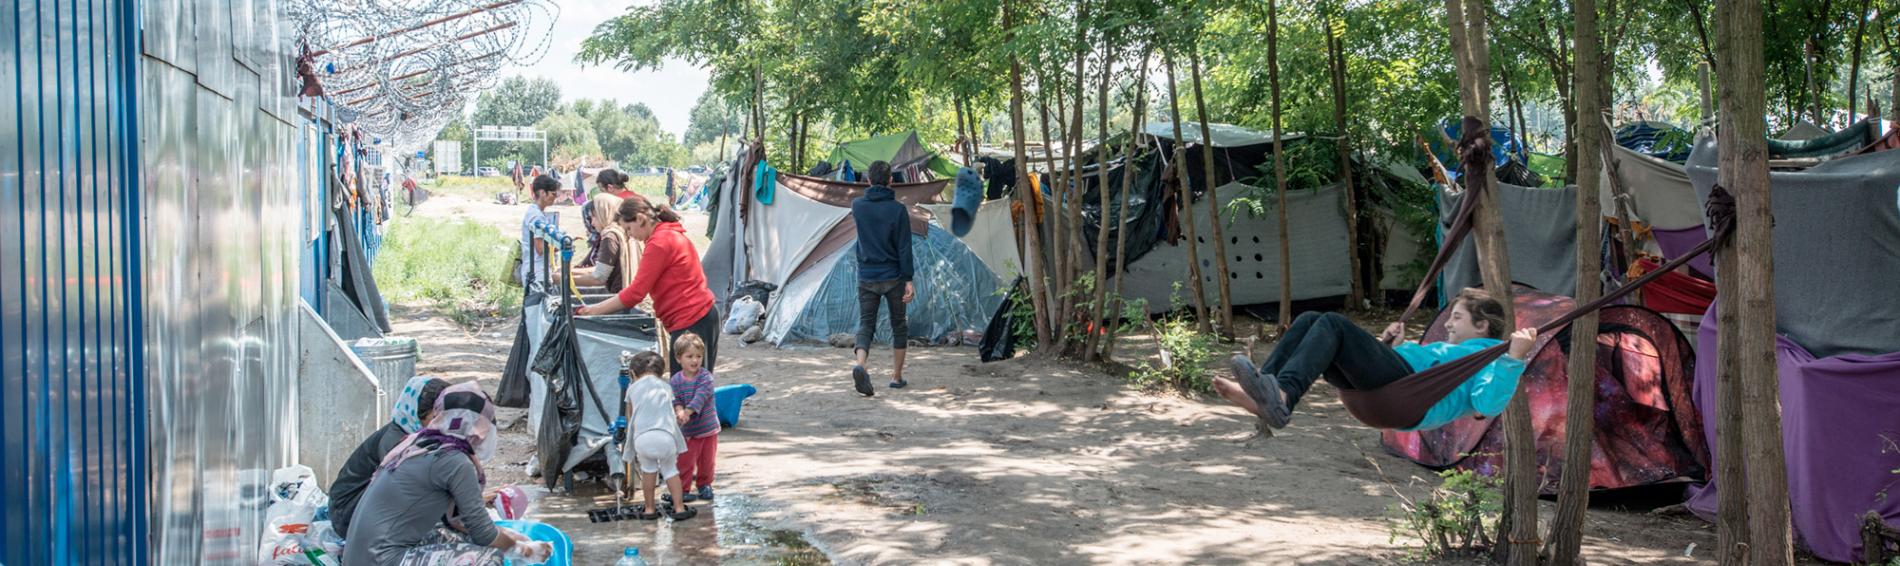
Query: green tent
{"x":901,"y":150}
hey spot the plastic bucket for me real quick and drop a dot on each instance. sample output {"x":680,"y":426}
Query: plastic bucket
{"x":393,"y":360}
{"x":536,"y":530}
{"x":729,"y":399}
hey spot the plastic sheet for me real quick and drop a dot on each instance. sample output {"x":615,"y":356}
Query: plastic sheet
{"x":955,"y":292}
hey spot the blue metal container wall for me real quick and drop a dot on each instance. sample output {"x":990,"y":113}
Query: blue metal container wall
{"x":222,"y":246}
{"x":71,"y":440}
{"x":149,"y":251}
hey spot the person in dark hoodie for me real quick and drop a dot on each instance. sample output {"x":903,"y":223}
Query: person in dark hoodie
{"x":884,"y":272}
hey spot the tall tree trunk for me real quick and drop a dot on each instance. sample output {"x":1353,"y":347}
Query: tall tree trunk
{"x":1567,"y":98}
{"x":1072,"y":224}
{"x":1573,"y":489}
{"x":1731,"y":477}
{"x":1097,"y":303}
{"x":758,"y":101}
{"x":1811,"y":57}
{"x":969,"y":110}
{"x":1222,"y":273}
{"x":1744,"y":159}
{"x":1058,"y":180}
{"x":1336,"y":46}
{"x":1472,"y":52}
{"x":1185,"y":190}
{"x":1853,"y":74}
{"x":1032,"y":250}
{"x":725,"y":127}
{"x":1128,"y":185}
{"x":1279,"y":167}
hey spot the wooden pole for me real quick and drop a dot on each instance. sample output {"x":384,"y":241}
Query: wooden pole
{"x":1128,"y":184}
{"x":1032,"y":246}
{"x":1472,"y":53}
{"x":1279,"y":167}
{"x":1743,"y":159}
{"x":1336,"y":46}
{"x":1222,"y":273}
{"x":1573,"y":489}
{"x":1097,"y":304}
{"x":1186,"y":202}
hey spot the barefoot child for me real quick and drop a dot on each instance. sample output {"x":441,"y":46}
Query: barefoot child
{"x":698,"y":418}
{"x":656,"y":442}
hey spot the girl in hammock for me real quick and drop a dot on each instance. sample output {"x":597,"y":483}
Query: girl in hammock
{"x":1328,"y":346}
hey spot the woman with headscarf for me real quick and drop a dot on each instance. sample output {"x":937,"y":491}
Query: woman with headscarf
{"x":616,"y":255}
{"x":413,"y":407}
{"x":424,"y":506}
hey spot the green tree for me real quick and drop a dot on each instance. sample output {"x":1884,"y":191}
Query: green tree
{"x":713,"y":117}
{"x":517,"y":101}
{"x":571,"y":137}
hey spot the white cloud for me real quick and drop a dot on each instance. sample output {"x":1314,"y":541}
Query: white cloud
{"x":670,"y":91}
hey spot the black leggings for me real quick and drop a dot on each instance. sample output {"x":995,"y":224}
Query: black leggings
{"x":707,"y":328}
{"x":889,"y":294}
{"x":1329,"y":346}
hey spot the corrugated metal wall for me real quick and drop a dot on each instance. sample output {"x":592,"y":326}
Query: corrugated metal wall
{"x":71,"y":448}
{"x":149,"y":251}
{"x":222,"y":247}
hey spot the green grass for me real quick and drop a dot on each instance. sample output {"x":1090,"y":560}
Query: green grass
{"x":484,"y":188}
{"x":458,"y":267}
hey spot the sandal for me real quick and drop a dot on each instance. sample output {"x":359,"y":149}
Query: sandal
{"x":862,"y":379}
{"x":899,"y":384}
{"x":683,"y":515}
{"x":1264,"y":391}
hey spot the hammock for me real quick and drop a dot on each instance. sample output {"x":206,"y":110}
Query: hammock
{"x":1395,"y":405}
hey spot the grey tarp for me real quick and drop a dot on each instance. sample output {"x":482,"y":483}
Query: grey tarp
{"x":723,"y":264}
{"x":1317,"y":232}
{"x":1540,"y":232}
{"x":602,"y":339}
{"x":1836,"y":253}
{"x":1659,"y":190}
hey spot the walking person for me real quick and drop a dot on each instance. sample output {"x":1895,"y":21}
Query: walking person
{"x":884,"y":273}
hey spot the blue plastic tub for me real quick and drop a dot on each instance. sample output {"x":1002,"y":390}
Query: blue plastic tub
{"x":563,"y":548}
{"x":728,"y":399}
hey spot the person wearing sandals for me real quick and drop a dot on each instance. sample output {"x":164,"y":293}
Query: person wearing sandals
{"x":698,"y":417}
{"x":1329,"y":346}
{"x":656,"y":442}
{"x":884,"y":272}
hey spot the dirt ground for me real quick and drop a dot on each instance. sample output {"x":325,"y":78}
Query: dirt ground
{"x":1027,"y":461}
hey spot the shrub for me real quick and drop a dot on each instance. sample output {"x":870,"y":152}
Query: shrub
{"x":1455,"y":517}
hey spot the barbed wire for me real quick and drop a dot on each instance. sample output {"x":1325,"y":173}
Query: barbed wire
{"x":405,"y":68}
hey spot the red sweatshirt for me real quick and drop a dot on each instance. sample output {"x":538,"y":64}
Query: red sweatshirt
{"x":669,"y":271}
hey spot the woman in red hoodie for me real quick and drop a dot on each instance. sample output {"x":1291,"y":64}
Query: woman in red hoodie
{"x":669,"y":272}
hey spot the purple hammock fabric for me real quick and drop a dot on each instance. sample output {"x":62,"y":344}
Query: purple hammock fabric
{"x":1840,"y":425}
{"x":1674,"y":243}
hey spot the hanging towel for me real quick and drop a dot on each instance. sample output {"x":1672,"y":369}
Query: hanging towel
{"x":765,"y":179}
{"x":969,"y":196}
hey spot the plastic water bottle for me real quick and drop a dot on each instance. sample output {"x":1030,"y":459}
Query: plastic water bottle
{"x":631,"y":558}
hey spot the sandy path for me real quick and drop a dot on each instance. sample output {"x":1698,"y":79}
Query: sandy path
{"x":1019,"y":462}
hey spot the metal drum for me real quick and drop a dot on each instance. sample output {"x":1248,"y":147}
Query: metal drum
{"x":393,"y":360}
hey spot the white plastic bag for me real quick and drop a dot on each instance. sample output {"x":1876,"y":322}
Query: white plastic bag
{"x":745,"y":311}
{"x":295,"y":498}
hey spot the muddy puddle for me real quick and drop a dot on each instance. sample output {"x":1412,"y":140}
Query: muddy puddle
{"x":735,"y":529}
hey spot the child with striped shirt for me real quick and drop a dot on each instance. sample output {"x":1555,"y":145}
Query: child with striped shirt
{"x":699,"y":419}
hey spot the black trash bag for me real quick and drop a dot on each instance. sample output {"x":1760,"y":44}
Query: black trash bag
{"x":821,"y":169}
{"x":999,"y":343}
{"x":514,"y":388}
{"x":559,"y":361}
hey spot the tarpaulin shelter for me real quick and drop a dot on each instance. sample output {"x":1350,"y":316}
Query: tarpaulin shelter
{"x":803,"y":245}
{"x":1648,"y":429}
{"x":1837,"y":313}
{"x":910,"y":159}
{"x":1511,"y":154}
{"x":1660,"y":140}
{"x":1316,"y":217}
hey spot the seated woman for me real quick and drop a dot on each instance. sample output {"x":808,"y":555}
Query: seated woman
{"x":424,"y":505}
{"x":414,"y":407}
{"x":1328,"y":346}
{"x":614,"y":256}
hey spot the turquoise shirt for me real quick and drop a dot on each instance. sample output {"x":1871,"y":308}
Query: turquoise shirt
{"x":1484,"y":394}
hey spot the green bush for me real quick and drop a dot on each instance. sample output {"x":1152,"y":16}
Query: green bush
{"x":1185,"y":351}
{"x":455,"y":266}
{"x":1455,"y":518}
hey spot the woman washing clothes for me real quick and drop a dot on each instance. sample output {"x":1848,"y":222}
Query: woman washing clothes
{"x":613,"y":254}
{"x":415,"y":406}
{"x":424,"y":506}
{"x":1329,"y":346}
